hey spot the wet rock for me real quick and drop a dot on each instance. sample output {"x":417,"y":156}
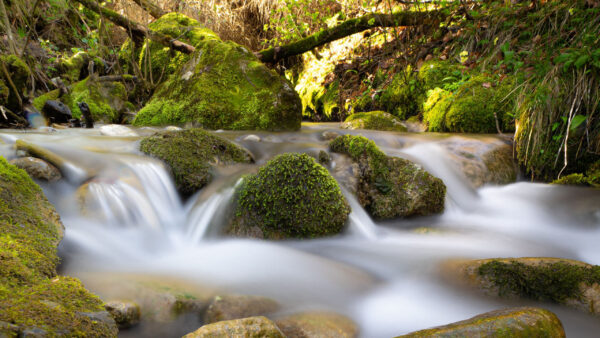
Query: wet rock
{"x":86,"y":113}
{"x":34,"y":150}
{"x":56,"y":112}
{"x":220,"y":86}
{"x":376,"y":120}
{"x":329,"y":135}
{"x":125,"y":314}
{"x":317,"y":324}
{"x":38,"y":168}
{"x":292,"y":196}
{"x":564,"y":281}
{"x":390,"y":187}
{"x":172,"y":128}
{"x":33,"y":332}
{"x":229,"y":307}
{"x":514,"y":322}
{"x":8,"y":330}
{"x":117,"y":130}
{"x":251,"y":138}
{"x":486,"y":160}
{"x":190,"y":154}
{"x":99,"y":316}
{"x":253,"y":327}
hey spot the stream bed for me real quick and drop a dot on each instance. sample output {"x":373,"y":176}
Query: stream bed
{"x":384,"y":275}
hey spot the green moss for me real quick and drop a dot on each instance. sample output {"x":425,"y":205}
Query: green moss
{"x":20,"y":76}
{"x":555,"y":282}
{"x":39,"y":101}
{"x":391,"y":187}
{"x":377,"y":120}
{"x":30,"y":294}
{"x":71,"y":67}
{"x":404,"y":96}
{"x":435,"y":108}
{"x":190,"y":154}
{"x":292,"y":196}
{"x":157,"y":61}
{"x":224,"y":86}
{"x":438,"y":73}
{"x":572,"y":179}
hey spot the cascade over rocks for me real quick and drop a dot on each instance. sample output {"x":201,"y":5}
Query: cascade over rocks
{"x":192,"y":154}
{"x":292,"y":196}
{"x":33,"y":299}
{"x":390,"y":187}
{"x":512,"y":322}
{"x":220,"y":86}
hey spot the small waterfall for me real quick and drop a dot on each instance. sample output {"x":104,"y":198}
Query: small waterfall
{"x":141,"y":195}
{"x":209,"y":213}
{"x":360,"y":222}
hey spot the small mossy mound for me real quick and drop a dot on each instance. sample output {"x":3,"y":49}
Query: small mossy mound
{"x":438,"y":73}
{"x":190,"y":154}
{"x":390,"y":187}
{"x":19,"y":79}
{"x":292,"y":196}
{"x":224,"y":86}
{"x":157,"y":61}
{"x":376,"y":120}
{"x":590,"y":179}
{"x":514,"y":322}
{"x":107,"y":100}
{"x":404,"y":96}
{"x":480,"y":105}
{"x":31,"y":295}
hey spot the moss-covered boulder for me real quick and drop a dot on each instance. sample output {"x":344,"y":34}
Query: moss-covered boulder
{"x":32,"y":297}
{"x":107,"y":100}
{"x":252,"y":327}
{"x":192,"y":155}
{"x":377,"y":120}
{"x":157,"y":61}
{"x":224,"y":86}
{"x":228,"y":307}
{"x":404,"y":96}
{"x":292,"y":196}
{"x":480,"y":105}
{"x":317,"y":324}
{"x":390,"y":187}
{"x":558,"y":280}
{"x":513,"y":322}
{"x":439,"y":73}
{"x":17,"y":84}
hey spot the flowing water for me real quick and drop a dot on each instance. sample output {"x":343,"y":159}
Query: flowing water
{"x":383,"y":275}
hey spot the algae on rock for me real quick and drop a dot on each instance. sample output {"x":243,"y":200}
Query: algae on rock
{"x":390,"y":187}
{"x":191,"y":154}
{"x":31,"y":295}
{"x":376,"y":120}
{"x":292,"y":196}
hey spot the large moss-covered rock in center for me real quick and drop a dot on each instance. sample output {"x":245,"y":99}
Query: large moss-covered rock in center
{"x":222,"y":86}
{"x":32,"y":297}
{"x":191,"y":155}
{"x":292,"y":196}
{"x":390,"y":187}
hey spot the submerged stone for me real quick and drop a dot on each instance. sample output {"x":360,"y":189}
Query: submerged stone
{"x":38,"y":168}
{"x":192,"y":154}
{"x":292,"y":196}
{"x":376,"y":120}
{"x":513,"y":322}
{"x":252,"y":327}
{"x":224,"y":86}
{"x":390,"y":187}
{"x":317,"y":324}
{"x":229,"y":307}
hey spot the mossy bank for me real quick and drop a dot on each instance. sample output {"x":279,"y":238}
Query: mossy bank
{"x":32,"y":297}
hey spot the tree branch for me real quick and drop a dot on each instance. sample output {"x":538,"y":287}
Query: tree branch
{"x":347,"y":28}
{"x":137,"y":29}
{"x":151,"y":8}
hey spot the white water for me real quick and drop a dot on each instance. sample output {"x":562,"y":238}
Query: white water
{"x":383,"y":275}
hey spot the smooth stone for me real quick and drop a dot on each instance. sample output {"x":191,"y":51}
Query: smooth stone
{"x":126,"y":314}
{"x":38,"y":168}
{"x":317,"y":324}
{"x":56,"y":112}
{"x":252,"y":138}
{"x":246,"y":328}
{"x":238,"y":306}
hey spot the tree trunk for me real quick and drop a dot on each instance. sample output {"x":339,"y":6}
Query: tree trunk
{"x":347,"y":28}
{"x":137,"y":29}
{"x":151,"y":8}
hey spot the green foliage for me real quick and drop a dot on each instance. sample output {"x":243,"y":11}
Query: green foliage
{"x":557,"y":282}
{"x":442,"y":74}
{"x":292,"y":196}
{"x":404,"y":96}
{"x":190,"y":153}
